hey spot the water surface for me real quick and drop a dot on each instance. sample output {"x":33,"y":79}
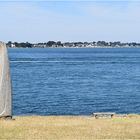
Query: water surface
{"x":75,"y":81}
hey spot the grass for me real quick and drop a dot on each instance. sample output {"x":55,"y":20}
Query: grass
{"x":70,"y":128}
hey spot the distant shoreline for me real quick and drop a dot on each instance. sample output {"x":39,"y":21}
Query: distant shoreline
{"x":59,"y":44}
{"x":98,"y":47}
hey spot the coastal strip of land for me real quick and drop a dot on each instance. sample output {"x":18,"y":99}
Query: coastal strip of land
{"x":70,"y":128}
{"x":59,"y":44}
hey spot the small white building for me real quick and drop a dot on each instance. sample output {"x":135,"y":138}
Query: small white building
{"x":13,"y":45}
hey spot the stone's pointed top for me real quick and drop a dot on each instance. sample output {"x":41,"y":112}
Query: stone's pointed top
{"x":2,"y":44}
{"x":5,"y":83}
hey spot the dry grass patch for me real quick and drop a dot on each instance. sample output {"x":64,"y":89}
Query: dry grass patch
{"x":70,"y":128}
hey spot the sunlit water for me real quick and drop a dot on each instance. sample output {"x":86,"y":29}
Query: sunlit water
{"x":76,"y":81}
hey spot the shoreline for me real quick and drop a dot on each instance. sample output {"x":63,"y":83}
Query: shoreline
{"x":88,"y":115}
{"x":73,"y":47}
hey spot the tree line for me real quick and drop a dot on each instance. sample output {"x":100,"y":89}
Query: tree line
{"x":71,"y":44}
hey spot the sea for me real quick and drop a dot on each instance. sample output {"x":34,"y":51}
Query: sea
{"x":75,"y":81}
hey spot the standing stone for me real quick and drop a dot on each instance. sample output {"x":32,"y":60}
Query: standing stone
{"x":5,"y":84}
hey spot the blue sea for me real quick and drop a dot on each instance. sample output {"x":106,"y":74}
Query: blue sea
{"x":75,"y":81}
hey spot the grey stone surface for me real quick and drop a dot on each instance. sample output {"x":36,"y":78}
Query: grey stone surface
{"x":104,"y":114}
{"x":5,"y":83}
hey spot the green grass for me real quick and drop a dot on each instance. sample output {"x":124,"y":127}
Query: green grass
{"x":70,"y":128}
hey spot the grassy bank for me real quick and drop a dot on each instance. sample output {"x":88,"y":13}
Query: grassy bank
{"x":70,"y":128}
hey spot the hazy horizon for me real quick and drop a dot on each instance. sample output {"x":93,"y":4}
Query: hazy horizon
{"x":70,"y":21}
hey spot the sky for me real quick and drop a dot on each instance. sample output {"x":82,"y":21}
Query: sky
{"x":41,"y":21}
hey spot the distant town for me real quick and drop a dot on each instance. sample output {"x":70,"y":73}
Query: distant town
{"x":59,"y":44}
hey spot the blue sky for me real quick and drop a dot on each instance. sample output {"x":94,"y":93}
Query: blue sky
{"x":40,"y":21}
